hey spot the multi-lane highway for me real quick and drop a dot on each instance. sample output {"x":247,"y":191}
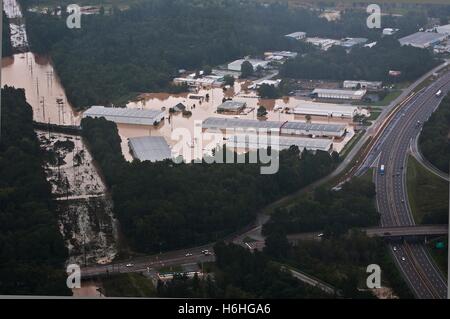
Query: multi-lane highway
{"x":391,"y":150}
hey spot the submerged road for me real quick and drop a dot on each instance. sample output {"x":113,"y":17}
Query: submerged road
{"x":391,"y":150}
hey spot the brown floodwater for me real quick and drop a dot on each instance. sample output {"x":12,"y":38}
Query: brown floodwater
{"x":43,"y":88}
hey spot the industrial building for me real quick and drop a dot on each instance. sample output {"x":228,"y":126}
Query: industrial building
{"x":365,"y":85}
{"x":339,"y":94}
{"x":323,"y":44}
{"x":125,"y":115}
{"x":234,"y":107}
{"x":326,"y":110}
{"x":308,"y":129}
{"x":423,"y":40}
{"x":349,"y":43}
{"x":390,"y":31}
{"x":296,"y":35}
{"x":283,"y":128}
{"x":279,"y":144}
{"x":150,"y":148}
{"x":206,"y":81}
{"x":237,"y":65}
{"x":258,"y":84}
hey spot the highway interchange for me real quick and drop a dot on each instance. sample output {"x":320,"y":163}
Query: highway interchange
{"x":392,"y":149}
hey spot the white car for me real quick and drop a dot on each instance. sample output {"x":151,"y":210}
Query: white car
{"x":129,"y":265}
{"x":188,"y":255}
{"x":395,"y":248}
{"x":403,"y":258}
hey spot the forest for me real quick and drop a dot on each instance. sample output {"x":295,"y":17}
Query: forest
{"x":333,"y":212}
{"x":32,"y":251}
{"x":112,"y":57}
{"x":434,"y":138}
{"x":362,"y":63}
{"x":163,"y":206}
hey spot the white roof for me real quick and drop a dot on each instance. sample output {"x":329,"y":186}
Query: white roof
{"x":150,"y":148}
{"x":325,"y":109}
{"x":422,"y":39}
{"x":350,"y":93}
{"x":253,"y":142}
{"x":296,"y":34}
{"x":125,"y":115}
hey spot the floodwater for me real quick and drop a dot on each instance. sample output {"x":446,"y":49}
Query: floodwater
{"x":207,"y":108}
{"x":43,"y":89}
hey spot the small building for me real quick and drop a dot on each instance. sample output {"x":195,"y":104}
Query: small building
{"x":390,"y":31}
{"x":180,"y":107}
{"x":234,"y":107}
{"x":323,"y":44}
{"x":258,"y":84}
{"x":296,"y":35}
{"x":395,"y":73}
{"x":206,"y":81}
{"x":125,"y":115}
{"x":150,"y":148}
{"x":423,"y":40}
{"x":280,"y":56}
{"x":365,"y":85}
{"x":256,"y":63}
{"x":349,"y":43}
{"x":337,"y":94}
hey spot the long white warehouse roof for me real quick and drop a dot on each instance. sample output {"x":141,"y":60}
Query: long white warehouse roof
{"x":125,"y":115}
{"x":340,"y":93}
{"x":325,"y":109}
{"x":150,"y":148}
{"x":232,"y":123}
{"x":313,"y":144}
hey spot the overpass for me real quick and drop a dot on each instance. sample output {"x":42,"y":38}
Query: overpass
{"x":393,"y":232}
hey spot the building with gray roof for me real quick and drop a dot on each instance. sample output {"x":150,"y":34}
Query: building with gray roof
{"x":125,"y":115}
{"x":150,"y":148}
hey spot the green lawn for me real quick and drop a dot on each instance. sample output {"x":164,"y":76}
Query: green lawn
{"x":128,"y":285}
{"x":428,"y":194}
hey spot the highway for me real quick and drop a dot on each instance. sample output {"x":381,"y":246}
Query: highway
{"x":391,"y":149}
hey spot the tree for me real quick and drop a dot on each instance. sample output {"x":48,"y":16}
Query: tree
{"x":267,"y":91}
{"x":228,"y":80}
{"x":277,"y":245}
{"x":261,"y":111}
{"x":247,"y":70}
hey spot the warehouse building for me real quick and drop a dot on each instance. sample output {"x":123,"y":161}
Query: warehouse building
{"x":423,"y":40}
{"x":233,"y":107}
{"x":390,"y":31}
{"x":237,"y":65}
{"x":314,"y":130}
{"x":349,"y":43}
{"x":323,"y":44}
{"x":339,"y":94}
{"x":296,"y":35}
{"x":365,"y":85}
{"x":283,"y":128}
{"x":279,"y":144}
{"x":149,"y":148}
{"x":326,"y":110}
{"x":125,"y":115}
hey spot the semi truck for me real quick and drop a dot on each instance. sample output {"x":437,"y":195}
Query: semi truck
{"x":439,"y":93}
{"x":382,"y":170}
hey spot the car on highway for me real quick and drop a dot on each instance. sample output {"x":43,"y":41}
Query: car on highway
{"x":394,"y":248}
{"x":188,"y":255}
{"x":129,"y":265}
{"x":403,"y":258}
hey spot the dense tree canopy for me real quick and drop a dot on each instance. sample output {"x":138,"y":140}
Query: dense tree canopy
{"x":164,"y":206}
{"x":434,"y":139}
{"x":362,"y":63}
{"x":331,"y":211}
{"x":32,"y":252}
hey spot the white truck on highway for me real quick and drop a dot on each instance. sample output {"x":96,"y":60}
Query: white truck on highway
{"x":382,"y":170}
{"x":439,"y":93}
